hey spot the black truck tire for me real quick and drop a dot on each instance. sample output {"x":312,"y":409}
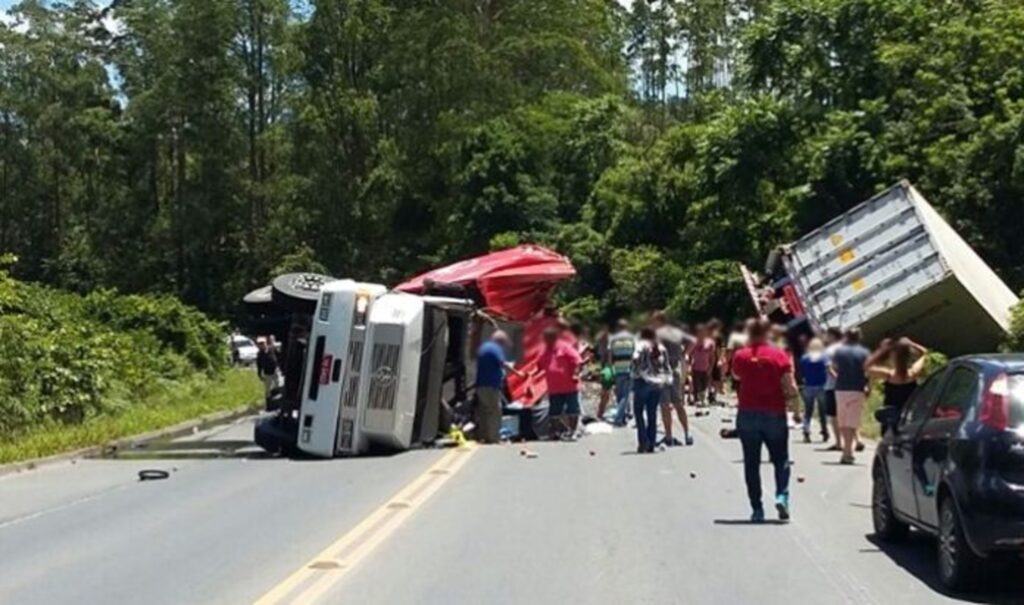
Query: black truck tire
{"x":298,"y":292}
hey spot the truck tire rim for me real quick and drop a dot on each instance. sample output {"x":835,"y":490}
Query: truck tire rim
{"x":948,"y":547}
{"x":882,"y":509}
{"x":307,"y":282}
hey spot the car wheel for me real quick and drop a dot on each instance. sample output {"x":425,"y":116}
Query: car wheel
{"x":887,"y":526}
{"x":298,"y":292}
{"x":958,"y":564}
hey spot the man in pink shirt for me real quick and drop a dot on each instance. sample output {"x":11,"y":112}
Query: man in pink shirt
{"x":561,"y":364}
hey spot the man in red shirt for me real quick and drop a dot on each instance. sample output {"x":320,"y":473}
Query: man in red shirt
{"x":561,"y":364}
{"x":765,"y":374}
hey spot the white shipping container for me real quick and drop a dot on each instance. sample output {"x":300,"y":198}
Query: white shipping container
{"x":894,"y":267}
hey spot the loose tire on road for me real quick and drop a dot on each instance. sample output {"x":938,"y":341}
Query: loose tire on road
{"x":958,"y":565}
{"x":298,"y":292}
{"x":887,"y":526}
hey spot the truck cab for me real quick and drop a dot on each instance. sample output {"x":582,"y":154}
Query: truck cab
{"x":329,"y":414}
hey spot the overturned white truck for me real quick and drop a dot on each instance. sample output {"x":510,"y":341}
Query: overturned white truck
{"x":893,"y":267}
{"x":380,"y":368}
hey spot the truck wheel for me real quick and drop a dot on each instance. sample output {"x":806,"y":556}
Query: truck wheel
{"x":887,"y":527}
{"x":958,"y":565}
{"x":298,"y":292}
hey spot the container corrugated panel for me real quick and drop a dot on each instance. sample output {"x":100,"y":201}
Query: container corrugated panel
{"x":865,"y":261}
{"x":893,"y":266}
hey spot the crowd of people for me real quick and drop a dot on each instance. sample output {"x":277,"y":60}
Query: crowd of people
{"x":657,"y":368}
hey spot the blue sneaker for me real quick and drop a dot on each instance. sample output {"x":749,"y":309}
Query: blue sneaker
{"x":782,"y":505}
{"x":757,"y":516}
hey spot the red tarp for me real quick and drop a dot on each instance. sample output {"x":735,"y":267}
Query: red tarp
{"x":517,"y":284}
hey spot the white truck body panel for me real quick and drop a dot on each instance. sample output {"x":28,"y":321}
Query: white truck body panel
{"x":893,"y":266}
{"x":395,"y":343}
{"x":328,"y":415}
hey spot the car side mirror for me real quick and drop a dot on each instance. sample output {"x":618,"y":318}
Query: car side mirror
{"x":889,"y":418}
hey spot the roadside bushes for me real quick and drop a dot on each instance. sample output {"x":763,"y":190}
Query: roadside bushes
{"x":1014,"y":342}
{"x":67,"y":357}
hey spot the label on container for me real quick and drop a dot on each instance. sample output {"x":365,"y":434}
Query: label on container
{"x":837,"y":240}
{"x":858,"y":284}
{"x":847,"y":256}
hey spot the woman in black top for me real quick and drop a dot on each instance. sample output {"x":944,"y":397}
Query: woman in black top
{"x":899,"y":376}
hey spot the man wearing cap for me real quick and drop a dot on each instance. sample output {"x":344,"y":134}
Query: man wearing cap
{"x":491,"y":365}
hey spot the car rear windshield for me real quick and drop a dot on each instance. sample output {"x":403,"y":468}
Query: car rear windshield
{"x":1016,"y":418}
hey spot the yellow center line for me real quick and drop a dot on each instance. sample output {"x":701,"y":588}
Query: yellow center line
{"x":328,"y":567}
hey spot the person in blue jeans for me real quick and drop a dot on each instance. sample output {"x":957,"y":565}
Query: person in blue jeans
{"x":765,"y":374}
{"x":651,"y":372}
{"x":621,"y":346}
{"x":813,"y":376}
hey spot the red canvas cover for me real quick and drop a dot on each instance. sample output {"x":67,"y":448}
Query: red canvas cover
{"x":517,"y":284}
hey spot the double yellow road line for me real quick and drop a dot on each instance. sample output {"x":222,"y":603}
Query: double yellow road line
{"x":326,"y":569}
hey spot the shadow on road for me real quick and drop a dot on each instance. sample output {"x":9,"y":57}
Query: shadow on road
{"x":749,"y":522}
{"x":189,"y":450}
{"x":917,"y":557}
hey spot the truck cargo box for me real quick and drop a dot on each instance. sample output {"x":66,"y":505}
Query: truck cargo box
{"x":894,"y":267}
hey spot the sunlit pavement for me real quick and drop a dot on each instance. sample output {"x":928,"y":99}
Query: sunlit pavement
{"x":587,"y":522}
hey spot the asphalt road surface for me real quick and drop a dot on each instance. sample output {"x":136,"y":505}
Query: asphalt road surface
{"x":586,"y":522}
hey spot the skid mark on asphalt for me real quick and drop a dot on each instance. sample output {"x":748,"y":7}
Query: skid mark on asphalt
{"x":325,"y":570}
{"x":846,"y":585}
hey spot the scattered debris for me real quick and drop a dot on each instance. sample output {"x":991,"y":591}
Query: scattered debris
{"x":801,"y":479}
{"x":598,"y":428}
{"x":693,"y":475}
{"x":532,"y":455}
{"x":593,"y":453}
{"x":152,"y":474}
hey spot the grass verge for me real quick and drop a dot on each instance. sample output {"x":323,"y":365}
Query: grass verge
{"x":869,"y":426}
{"x":168,"y":406}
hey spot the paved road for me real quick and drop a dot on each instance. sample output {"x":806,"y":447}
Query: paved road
{"x":612,"y":527}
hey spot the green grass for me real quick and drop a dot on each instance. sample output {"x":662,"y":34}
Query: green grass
{"x":869,"y":427}
{"x":166,"y":407}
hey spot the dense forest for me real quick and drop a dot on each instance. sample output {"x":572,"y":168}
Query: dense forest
{"x":194,"y":147}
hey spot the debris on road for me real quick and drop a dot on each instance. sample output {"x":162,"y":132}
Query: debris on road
{"x":153,"y":474}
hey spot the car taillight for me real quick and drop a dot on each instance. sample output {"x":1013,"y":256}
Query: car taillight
{"x":995,"y":403}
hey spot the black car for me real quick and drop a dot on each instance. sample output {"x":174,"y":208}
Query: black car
{"x":951,"y":463}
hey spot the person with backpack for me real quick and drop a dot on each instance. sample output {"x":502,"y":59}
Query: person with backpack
{"x":621,"y":346}
{"x":650,"y":372}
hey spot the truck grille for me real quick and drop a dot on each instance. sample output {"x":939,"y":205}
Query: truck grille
{"x":355,"y":361}
{"x":383,"y":376}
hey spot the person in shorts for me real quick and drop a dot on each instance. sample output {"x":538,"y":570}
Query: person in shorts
{"x":675,"y":341}
{"x":702,"y":361}
{"x":561,"y":363}
{"x":851,"y":389}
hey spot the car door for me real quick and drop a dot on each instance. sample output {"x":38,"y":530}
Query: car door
{"x":899,"y":458}
{"x":931,"y":448}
